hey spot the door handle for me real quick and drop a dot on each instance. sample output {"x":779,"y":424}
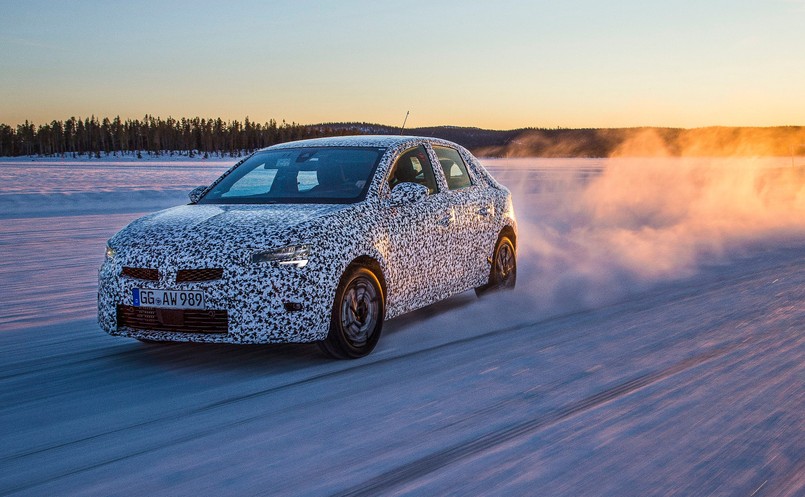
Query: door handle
{"x":445,"y":221}
{"x":484,"y":211}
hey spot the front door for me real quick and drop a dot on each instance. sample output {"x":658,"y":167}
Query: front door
{"x":418,"y":233}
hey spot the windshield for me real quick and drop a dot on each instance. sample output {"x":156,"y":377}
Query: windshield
{"x":299,"y":175}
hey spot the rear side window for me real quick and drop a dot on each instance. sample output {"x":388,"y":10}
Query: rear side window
{"x":455,"y":170}
{"x":413,"y":167}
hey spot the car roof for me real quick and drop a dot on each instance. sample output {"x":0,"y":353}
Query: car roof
{"x":385,"y":141}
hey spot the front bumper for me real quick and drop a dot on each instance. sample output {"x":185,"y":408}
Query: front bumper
{"x":254,"y":299}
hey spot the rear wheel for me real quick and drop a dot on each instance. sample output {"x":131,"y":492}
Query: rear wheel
{"x":503,"y":273}
{"x":357,"y":315}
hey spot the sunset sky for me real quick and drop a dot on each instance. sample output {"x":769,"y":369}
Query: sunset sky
{"x":492,"y":64}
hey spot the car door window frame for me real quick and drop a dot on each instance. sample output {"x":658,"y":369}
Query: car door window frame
{"x":427,"y":167}
{"x":469,"y":175}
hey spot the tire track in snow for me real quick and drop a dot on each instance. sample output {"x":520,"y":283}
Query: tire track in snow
{"x":276,"y":388}
{"x":416,"y":469}
{"x":411,"y":471}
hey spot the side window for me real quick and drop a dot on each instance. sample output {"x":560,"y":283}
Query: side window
{"x":455,"y":171}
{"x":413,"y":166}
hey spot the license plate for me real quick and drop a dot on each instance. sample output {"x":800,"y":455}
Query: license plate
{"x":168,"y":299}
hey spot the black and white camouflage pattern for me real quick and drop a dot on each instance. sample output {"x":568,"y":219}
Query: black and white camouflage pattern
{"x":425,"y":251}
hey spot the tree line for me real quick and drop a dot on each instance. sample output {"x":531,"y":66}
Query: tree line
{"x":152,"y":135}
{"x":207,"y":137}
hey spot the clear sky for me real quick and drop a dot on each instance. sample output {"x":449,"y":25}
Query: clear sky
{"x":492,"y":64}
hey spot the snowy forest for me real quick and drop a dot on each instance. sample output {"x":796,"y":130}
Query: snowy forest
{"x":151,"y":135}
{"x":199,"y":137}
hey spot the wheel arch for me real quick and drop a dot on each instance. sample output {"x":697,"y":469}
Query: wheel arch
{"x":373,"y":265}
{"x":508,"y":231}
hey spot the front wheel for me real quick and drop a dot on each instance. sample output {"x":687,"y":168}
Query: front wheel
{"x":503,"y":273}
{"x":357,"y":316}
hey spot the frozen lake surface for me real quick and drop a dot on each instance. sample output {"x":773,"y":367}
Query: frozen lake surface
{"x":655,"y":345}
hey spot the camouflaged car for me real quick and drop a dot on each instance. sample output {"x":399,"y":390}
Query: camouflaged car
{"x":312,"y":241}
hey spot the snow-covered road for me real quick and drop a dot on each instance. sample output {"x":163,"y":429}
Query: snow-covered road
{"x":587,"y":380}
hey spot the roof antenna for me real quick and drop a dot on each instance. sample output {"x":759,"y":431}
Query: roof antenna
{"x":404,"y":121}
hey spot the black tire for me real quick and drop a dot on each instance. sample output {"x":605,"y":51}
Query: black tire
{"x":152,"y":342}
{"x":503,"y":273}
{"x":357,"y":316}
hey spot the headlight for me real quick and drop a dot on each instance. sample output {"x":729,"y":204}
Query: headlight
{"x":297,"y":255}
{"x":110,"y":253}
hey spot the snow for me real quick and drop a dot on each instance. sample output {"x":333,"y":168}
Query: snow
{"x":654,"y":346}
{"x":130,"y":158}
{"x":58,"y":188}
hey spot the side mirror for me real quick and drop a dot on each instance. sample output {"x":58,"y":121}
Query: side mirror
{"x":196,"y":193}
{"x":408,"y":193}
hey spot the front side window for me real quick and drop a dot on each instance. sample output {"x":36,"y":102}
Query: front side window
{"x":455,"y":170}
{"x":413,"y":166}
{"x":299,"y":175}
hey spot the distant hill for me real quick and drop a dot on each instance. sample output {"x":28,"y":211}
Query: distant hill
{"x":606,"y":142}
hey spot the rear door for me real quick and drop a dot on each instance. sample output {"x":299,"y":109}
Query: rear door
{"x":473,"y":214}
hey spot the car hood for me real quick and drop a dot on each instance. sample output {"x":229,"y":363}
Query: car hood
{"x":206,"y":232}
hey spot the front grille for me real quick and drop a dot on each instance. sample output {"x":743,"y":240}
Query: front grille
{"x":178,"y":320}
{"x":207,"y":274}
{"x":141,"y":273}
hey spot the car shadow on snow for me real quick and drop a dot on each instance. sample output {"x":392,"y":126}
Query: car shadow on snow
{"x":259,"y":358}
{"x":270,"y":358}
